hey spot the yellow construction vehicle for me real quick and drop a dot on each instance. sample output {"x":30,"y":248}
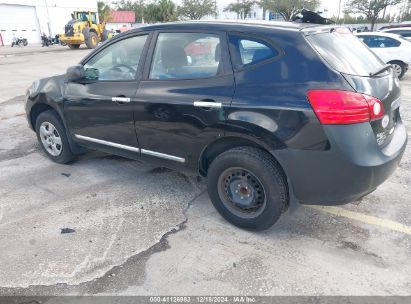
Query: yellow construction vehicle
{"x":84,"y":27}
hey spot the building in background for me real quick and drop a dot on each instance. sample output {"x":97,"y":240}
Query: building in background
{"x":121,"y":19}
{"x":30,"y":18}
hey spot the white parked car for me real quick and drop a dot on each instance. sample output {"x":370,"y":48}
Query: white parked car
{"x":391,"y":48}
{"x":405,"y":32}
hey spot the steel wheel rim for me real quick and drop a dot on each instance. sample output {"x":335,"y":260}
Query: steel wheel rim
{"x":50,"y":138}
{"x":241,"y":192}
{"x":397,"y":69}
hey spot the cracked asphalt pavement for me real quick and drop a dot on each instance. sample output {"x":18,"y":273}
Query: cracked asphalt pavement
{"x":138,"y":229}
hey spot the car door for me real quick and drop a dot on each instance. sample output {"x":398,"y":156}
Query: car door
{"x":181,"y":102}
{"x":99,"y":108}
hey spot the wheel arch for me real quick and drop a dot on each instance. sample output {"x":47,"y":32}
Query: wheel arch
{"x":37,"y":109}
{"x":397,"y":60}
{"x":93,"y":30}
{"x":215,"y":148}
{"x":41,"y":107}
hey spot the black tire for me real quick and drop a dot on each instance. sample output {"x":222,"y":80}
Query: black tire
{"x":52,"y":117}
{"x":92,"y":40}
{"x":262,"y":172}
{"x":73,"y":46}
{"x":25,"y":42}
{"x":400,"y":65}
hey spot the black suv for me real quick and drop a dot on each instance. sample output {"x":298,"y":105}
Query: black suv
{"x":265,"y":111}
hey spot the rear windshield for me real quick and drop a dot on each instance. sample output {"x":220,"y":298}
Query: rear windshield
{"x":345,"y":53}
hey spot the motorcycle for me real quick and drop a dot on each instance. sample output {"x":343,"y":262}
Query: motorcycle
{"x":20,"y":41}
{"x":46,"y":41}
{"x":56,"y":40}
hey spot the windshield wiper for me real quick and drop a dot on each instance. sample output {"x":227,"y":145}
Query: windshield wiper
{"x":383,"y":69}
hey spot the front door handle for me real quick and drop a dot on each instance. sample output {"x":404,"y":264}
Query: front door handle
{"x":208,"y":104}
{"x":121,"y":99}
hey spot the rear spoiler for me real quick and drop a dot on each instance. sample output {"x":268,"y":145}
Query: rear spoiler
{"x":343,"y":30}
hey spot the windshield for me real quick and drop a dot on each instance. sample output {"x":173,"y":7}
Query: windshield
{"x":345,"y":53}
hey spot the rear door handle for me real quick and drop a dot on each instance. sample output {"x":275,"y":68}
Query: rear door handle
{"x":208,"y":104}
{"x":121,"y":99}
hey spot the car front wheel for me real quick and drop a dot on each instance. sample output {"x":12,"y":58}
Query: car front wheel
{"x":52,"y":137}
{"x":248,"y":188}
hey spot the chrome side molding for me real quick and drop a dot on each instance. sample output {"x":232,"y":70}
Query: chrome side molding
{"x":107,"y":143}
{"x":130,"y":148}
{"x":162,"y":155}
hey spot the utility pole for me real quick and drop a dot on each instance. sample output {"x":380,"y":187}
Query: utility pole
{"x":48,"y":17}
{"x":339,"y":11}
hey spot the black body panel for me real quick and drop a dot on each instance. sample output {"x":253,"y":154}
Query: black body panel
{"x":91,"y":112}
{"x":263,"y":105}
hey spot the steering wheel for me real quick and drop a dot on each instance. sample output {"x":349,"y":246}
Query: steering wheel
{"x":119,"y":66}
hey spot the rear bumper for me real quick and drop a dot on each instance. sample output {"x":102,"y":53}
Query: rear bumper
{"x":353,"y":167}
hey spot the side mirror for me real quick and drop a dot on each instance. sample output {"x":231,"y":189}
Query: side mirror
{"x":75,"y":73}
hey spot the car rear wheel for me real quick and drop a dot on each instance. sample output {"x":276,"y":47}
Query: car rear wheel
{"x":248,"y":188}
{"x":399,"y":68}
{"x":52,"y":137}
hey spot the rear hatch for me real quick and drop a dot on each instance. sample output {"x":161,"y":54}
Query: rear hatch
{"x":359,"y":66}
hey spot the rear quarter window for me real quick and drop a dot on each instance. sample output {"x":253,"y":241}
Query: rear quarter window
{"x":345,"y":53}
{"x":248,"y":50}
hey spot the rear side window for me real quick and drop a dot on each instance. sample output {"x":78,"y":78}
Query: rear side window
{"x":345,"y":53}
{"x":379,"y":41}
{"x":249,"y":50}
{"x":186,"y":56}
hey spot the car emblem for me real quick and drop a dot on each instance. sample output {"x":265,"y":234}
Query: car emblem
{"x":385,"y":121}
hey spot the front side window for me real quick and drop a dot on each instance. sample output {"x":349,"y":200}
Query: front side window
{"x":116,"y":62}
{"x":251,"y":50}
{"x":379,"y":42}
{"x":186,"y":56}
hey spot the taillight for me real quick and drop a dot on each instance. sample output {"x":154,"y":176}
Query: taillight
{"x":334,"y":107}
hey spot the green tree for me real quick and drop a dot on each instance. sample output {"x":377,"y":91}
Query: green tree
{"x":196,"y":9}
{"x":104,"y":11}
{"x":242,"y":8}
{"x":406,"y":11}
{"x":371,"y":9}
{"x":288,"y":8}
{"x":160,"y":11}
{"x":168,"y":11}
